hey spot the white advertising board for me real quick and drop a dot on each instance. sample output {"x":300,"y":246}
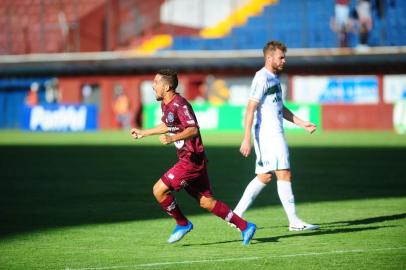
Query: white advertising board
{"x":394,"y":88}
{"x":335,"y":89}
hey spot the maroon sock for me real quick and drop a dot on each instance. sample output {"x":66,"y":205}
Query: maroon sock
{"x":222,"y":210}
{"x":171,"y":207}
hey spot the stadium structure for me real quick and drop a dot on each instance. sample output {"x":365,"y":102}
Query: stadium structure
{"x":81,"y":52}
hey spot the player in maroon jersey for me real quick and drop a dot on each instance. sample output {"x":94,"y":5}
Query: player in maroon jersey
{"x":179,"y":126}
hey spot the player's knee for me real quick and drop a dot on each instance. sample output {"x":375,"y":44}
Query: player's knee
{"x":157,"y":189}
{"x":207,"y":203}
{"x":284,"y":175}
{"x":265,"y":178}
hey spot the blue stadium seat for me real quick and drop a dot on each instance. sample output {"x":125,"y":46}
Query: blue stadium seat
{"x":302,"y":24}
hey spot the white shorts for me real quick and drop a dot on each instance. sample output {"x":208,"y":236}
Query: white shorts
{"x":272,"y":152}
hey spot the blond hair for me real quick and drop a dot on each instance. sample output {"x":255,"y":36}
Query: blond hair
{"x":273,"y":45}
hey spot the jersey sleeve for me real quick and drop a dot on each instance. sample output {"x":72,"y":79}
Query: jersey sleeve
{"x":186,"y":116}
{"x":163,"y":114}
{"x":258,"y":88}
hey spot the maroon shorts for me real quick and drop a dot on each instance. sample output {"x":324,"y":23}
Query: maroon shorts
{"x":194,"y":179}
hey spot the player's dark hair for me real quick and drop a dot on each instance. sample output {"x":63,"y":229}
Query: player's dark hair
{"x":273,"y":45}
{"x":170,"y":76}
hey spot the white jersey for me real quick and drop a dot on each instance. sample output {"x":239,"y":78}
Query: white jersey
{"x":270,"y":144}
{"x":266,"y":90}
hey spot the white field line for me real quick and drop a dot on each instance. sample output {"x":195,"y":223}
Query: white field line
{"x":147,"y":265}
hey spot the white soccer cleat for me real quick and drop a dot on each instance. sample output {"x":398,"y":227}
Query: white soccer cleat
{"x":231,"y":225}
{"x":303,"y":226}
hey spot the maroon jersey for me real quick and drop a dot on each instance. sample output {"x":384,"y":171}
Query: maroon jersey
{"x":177,"y":116}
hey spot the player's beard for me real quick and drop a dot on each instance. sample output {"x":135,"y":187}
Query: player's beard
{"x":157,"y":97}
{"x":278,"y":68}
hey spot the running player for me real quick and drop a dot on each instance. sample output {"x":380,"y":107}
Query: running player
{"x":264,"y":120}
{"x":179,"y":126}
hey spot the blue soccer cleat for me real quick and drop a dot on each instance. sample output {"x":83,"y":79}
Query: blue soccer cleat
{"x":179,"y":232}
{"x":248,"y":233}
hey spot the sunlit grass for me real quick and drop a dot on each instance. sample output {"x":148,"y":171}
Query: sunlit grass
{"x":84,"y":201}
{"x":353,"y":236}
{"x":331,"y":138}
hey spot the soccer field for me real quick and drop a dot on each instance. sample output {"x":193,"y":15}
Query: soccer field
{"x":84,"y":201}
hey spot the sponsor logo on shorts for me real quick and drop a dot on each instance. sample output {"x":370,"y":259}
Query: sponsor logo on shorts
{"x":171,"y":176}
{"x":183,"y":184}
{"x":260,"y":163}
{"x":263,"y":163}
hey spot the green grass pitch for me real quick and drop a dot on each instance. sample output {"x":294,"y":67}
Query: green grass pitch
{"x":83,"y":201}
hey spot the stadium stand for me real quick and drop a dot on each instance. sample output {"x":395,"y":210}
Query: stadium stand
{"x":302,"y":24}
{"x":110,"y":31}
{"x":34,"y":26}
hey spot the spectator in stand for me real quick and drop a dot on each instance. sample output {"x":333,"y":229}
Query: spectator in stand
{"x":380,"y":8}
{"x":121,"y":108}
{"x":32,"y":96}
{"x":52,"y":94}
{"x":364,"y":16}
{"x":341,"y":23}
{"x":219,"y":92}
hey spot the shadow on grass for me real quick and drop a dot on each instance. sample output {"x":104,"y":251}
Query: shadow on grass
{"x":51,"y":186}
{"x":274,"y":239}
{"x":366,"y":221}
{"x":317,"y":233}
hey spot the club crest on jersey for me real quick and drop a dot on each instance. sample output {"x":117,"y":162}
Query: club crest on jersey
{"x":170,"y":117}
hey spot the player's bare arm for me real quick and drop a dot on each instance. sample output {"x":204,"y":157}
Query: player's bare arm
{"x":245,"y":148}
{"x":308,"y":126}
{"x":188,"y":133}
{"x":139,"y":133}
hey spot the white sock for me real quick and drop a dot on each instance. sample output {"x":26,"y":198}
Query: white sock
{"x":288,"y":200}
{"x":250,"y":193}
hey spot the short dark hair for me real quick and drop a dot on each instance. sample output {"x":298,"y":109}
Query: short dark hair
{"x":273,"y":45}
{"x":170,"y":76}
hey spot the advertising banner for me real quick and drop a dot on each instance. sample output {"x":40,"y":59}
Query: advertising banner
{"x":55,"y":117}
{"x":335,"y":89}
{"x":394,"y":88}
{"x":399,"y":117}
{"x":230,"y":118}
